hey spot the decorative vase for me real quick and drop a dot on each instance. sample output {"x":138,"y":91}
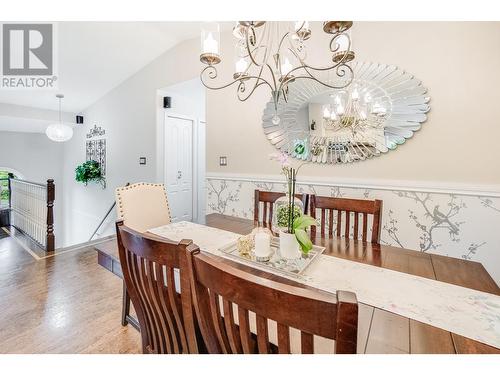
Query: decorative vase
{"x":289,"y":246}
{"x":280,"y":212}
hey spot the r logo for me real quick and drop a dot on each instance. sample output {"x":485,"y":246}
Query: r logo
{"x":27,"y":49}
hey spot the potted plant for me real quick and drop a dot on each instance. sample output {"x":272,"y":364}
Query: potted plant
{"x":289,"y":217}
{"x":90,"y":171}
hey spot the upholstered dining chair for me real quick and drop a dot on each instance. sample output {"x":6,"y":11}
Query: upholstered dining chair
{"x":338,"y":212}
{"x":238,"y":311}
{"x":267,"y":198}
{"x":141,"y":206}
{"x":165,"y":314}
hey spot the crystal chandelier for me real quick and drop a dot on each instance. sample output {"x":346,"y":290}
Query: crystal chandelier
{"x":269,"y":54}
{"x":354,"y":110}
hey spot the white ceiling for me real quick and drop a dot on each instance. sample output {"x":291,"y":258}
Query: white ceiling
{"x":94,"y":57}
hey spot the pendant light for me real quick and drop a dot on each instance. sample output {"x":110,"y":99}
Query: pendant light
{"x":59,"y":132}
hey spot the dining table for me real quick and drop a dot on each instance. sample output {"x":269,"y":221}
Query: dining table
{"x":379,"y":331}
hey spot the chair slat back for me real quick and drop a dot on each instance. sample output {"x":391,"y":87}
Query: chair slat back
{"x":348,"y":218}
{"x":150,"y":267}
{"x":266,"y":199}
{"x":229,"y":302}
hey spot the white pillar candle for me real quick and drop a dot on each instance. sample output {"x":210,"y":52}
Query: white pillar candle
{"x":262,"y":244}
{"x":241,"y":65}
{"x":210,"y":45}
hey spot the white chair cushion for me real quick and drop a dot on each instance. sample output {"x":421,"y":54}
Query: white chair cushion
{"x":143,"y":206}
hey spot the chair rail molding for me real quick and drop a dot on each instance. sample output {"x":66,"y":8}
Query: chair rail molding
{"x":435,"y":187}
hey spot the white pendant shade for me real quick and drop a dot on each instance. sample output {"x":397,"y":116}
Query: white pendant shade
{"x":59,"y":132}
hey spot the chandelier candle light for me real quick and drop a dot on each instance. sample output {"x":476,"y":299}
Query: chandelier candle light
{"x":353,"y":110}
{"x":267,"y":53}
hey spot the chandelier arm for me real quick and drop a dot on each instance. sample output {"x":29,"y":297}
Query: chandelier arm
{"x":258,"y":82}
{"x":273,"y":77}
{"x":301,"y":26}
{"x":340,"y":71}
{"x":212,"y":68}
{"x":334,"y":39}
{"x":337,"y":65}
{"x":331,"y":67}
{"x":282,"y":40}
{"x":310,"y":76}
{"x":306,"y":68}
{"x":250,"y":54}
{"x":242,"y":99}
{"x":302,"y":63}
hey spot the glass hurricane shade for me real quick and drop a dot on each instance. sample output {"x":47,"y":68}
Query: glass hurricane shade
{"x":210,"y":38}
{"x":286,"y":67}
{"x":343,"y":42}
{"x":241,"y":65}
{"x":301,"y":25}
{"x":59,"y":132}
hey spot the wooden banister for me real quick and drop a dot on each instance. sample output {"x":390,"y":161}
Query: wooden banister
{"x":51,"y":194}
{"x":32,"y":210}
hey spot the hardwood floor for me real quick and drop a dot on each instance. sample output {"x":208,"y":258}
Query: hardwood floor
{"x":63,"y":304}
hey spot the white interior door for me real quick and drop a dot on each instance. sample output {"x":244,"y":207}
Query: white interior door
{"x":179,"y":166}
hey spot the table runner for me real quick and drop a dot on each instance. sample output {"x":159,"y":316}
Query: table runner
{"x":460,"y":310}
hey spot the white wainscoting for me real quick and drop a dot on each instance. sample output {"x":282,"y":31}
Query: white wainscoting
{"x":460,"y":221}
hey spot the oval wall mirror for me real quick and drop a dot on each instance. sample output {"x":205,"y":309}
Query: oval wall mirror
{"x":379,"y":110}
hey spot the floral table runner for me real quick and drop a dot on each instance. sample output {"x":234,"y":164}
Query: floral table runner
{"x":460,"y":310}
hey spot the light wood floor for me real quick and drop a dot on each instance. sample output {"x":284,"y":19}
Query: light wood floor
{"x":63,"y":304}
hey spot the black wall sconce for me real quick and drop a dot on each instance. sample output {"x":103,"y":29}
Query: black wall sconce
{"x":79,"y":119}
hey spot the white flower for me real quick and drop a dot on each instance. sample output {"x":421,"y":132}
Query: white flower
{"x":282,"y":158}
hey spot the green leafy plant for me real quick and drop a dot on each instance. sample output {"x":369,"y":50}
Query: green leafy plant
{"x":300,"y":224}
{"x":4,"y":187}
{"x":283,"y":213}
{"x":89,"y":171}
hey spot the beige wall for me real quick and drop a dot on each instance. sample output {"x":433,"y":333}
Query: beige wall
{"x":459,"y":64}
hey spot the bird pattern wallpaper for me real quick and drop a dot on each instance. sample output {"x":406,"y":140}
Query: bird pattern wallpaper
{"x":460,"y":226}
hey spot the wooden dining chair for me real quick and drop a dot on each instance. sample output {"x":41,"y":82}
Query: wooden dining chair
{"x":141,"y":206}
{"x":162,"y":303}
{"x":334,"y":211}
{"x":234,"y":309}
{"x":267,"y":198}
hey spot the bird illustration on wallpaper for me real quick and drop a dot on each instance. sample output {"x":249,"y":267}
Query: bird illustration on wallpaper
{"x":434,"y":218}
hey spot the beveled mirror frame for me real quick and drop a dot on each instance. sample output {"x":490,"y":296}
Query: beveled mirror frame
{"x":407,"y":108}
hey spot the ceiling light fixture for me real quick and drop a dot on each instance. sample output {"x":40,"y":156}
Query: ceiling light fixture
{"x":267,"y":53}
{"x":59,"y":132}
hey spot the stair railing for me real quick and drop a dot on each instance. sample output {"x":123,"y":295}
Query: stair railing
{"x":104,"y":218}
{"x":32,"y":210}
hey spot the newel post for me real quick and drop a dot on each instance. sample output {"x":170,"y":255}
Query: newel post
{"x":51,"y":194}
{"x":9,"y":187}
